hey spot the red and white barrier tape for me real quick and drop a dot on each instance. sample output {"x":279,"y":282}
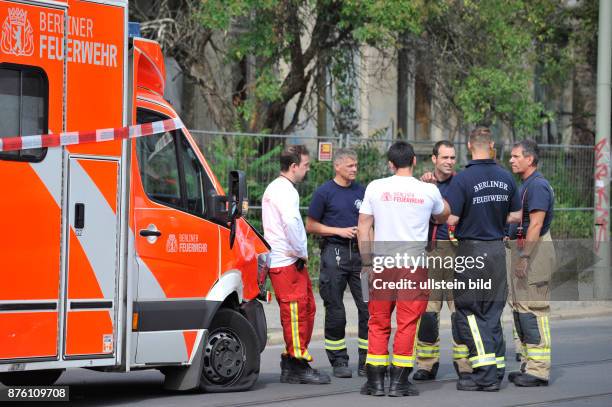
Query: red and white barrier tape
{"x":93,"y":136}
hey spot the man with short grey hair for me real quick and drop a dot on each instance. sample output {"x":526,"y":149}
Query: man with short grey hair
{"x":532,"y":263}
{"x":333,"y":215}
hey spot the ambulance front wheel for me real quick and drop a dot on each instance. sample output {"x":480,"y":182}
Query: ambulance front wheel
{"x":231,"y":354}
{"x":31,"y":377}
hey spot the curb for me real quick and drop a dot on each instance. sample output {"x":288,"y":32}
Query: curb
{"x":276,"y":337}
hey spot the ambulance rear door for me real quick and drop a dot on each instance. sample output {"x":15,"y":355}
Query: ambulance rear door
{"x":32,"y":100}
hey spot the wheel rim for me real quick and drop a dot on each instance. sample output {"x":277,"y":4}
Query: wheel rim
{"x":224,"y":357}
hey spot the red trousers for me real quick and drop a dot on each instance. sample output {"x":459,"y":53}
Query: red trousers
{"x":410,"y":304}
{"x":293,"y":290}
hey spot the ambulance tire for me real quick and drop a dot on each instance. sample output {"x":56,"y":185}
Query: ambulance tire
{"x":231,"y":354}
{"x":31,"y":377}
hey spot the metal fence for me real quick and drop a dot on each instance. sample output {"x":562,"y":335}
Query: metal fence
{"x":569,"y":168}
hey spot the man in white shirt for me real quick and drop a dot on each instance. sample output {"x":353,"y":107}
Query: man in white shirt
{"x":399,"y":208}
{"x":284,"y":231}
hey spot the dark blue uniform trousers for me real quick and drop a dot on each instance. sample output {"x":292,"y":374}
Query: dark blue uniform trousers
{"x":477,"y":319}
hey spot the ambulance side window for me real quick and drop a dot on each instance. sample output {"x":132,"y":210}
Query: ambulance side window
{"x":170,"y":170}
{"x":24,"y":95}
{"x":195,"y":179}
{"x":158,"y":168}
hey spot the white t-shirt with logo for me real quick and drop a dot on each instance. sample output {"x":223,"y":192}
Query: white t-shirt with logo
{"x":402,"y":207}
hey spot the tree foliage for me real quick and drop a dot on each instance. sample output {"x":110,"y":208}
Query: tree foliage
{"x":481,"y":55}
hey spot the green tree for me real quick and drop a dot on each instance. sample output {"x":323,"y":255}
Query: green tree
{"x":481,"y":55}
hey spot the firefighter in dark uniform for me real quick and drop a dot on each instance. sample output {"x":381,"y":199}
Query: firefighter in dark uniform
{"x":333,"y":214}
{"x":483,"y":198}
{"x":531,"y":267}
{"x":428,"y":340}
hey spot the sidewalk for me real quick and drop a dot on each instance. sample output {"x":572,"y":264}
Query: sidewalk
{"x":559,"y":310}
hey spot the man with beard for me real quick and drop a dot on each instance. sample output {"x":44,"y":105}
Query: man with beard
{"x":428,"y":340}
{"x":284,"y":231}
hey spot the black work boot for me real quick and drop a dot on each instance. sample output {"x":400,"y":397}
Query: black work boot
{"x":285,"y":367}
{"x":361,"y":367}
{"x":341,"y":369}
{"x":300,"y":372}
{"x":500,"y":375}
{"x":468,"y":384}
{"x":460,"y":375}
{"x":423,"y":374}
{"x":361,"y":370}
{"x":375,"y":386}
{"x":514,"y":375}
{"x":527,"y":380}
{"x":400,"y":385}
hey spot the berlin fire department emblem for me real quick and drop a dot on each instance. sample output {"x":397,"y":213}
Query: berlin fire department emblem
{"x":171,"y":244}
{"x":17,"y":33}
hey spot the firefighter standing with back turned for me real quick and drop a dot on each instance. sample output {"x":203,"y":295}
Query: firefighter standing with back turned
{"x":284,"y":231}
{"x":333,"y":214}
{"x":483,"y":198}
{"x":428,"y":343}
{"x":399,"y":208}
{"x":533,"y":260}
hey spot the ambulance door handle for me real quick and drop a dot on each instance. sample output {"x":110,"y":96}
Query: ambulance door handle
{"x":147,"y":233}
{"x":151,"y":233}
{"x":79,"y":215}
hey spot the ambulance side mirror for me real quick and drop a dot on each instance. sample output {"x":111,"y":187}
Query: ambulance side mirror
{"x":217,"y":207}
{"x":237,"y":194}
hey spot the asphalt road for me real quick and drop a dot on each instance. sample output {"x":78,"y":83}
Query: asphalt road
{"x":582,"y":361}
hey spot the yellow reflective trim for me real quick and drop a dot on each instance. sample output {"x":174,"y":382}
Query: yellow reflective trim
{"x":335,"y":347}
{"x":360,"y":346}
{"x":338,"y":342}
{"x":403,"y":364}
{"x":476,"y":335}
{"x":546,"y":322}
{"x":295,"y":332}
{"x":307,"y":356}
{"x":484,"y":360}
{"x":377,"y":360}
{"x":501,"y":362}
{"x":362,"y":340}
{"x":403,"y":360}
{"x":430,"y":348}
{"x":403,"y":357}
{"x":427,"y":353}
{"x":538,"y":357}
{"x":460,"y":352}
{"x":537,"y":352}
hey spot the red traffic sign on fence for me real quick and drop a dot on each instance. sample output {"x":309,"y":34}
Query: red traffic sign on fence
{"x":326,"y":150}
